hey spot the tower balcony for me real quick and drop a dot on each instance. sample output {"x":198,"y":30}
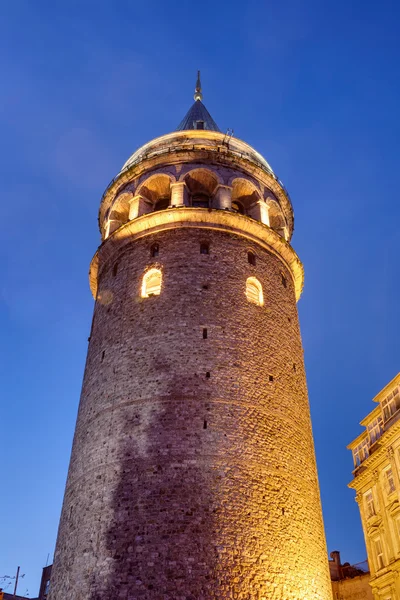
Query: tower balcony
{"x":196,"y":169}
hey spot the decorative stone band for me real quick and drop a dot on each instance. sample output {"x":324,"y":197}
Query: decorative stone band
{"x":197,"y":218}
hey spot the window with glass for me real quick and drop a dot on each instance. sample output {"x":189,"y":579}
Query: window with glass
{"x":380,"y":562}
{"x":254,"y":292}
{"x":375,"y":430}
{"x":389,"y":481}
{"x":361,"y":452}
{"x":391,"y":404}
{"x":151,"y":285}
{"x":369,"y":504}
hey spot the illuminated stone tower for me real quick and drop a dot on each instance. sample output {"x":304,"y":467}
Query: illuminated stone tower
{"x":192,"y":473}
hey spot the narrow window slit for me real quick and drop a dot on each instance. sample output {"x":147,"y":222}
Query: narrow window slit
{"x":284,"y":280}
{"x":294,"y":367}
{"x":204,"y":333}
{"x":251,"y":257}
{"x":204,"y":248}
{"x":115,"y":269}
{"x":271,"y":378}
{"x":205,"y":424}
{"x":208,"y":374}
{"x":154,"y":250}
{"x":103,"y":355}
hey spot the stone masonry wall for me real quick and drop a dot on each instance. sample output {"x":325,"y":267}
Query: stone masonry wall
{"x":192,"y":473}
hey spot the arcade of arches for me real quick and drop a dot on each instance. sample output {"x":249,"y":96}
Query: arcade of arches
{"x":199,"y":188}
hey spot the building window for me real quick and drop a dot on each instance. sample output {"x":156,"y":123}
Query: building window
{"x":389,"y":481}
{"x":369,"y":504}
{"x":199,"y":124}
{"x":151,"y":285}
{"x":361,"y":452}
{"x":375,"y":430}
{"x":154,"y":250}
{"x":204,"y":248}
{"x":251,"y":257}
{"x":380,"y":563}
{"x":391,"y":404}
{"x":47,"y":587}
{"x":254,"y":292}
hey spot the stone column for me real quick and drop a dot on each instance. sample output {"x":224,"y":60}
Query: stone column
{"x":259,"y":212}
{"x":179,"y":195}
{"x":223,"y":197}
{"x":264,"y":216}
{"x":112,"y":225}
{"x":139,"y":205}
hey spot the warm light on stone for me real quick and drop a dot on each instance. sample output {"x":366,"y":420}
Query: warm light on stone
{"x":192,"y":474}
{"x":151,"y":285}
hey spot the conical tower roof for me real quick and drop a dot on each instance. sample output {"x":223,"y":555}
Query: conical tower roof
{"x":198,"y":116}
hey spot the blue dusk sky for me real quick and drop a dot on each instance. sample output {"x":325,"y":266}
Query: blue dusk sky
{"x":313,"y":86}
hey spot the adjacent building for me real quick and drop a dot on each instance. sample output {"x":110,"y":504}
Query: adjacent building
{"x":376,"y":456}
{"x":349,"y":582}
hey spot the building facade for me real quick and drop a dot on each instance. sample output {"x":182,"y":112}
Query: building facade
{"x":193,"y":473}
{"x":376,"y":456}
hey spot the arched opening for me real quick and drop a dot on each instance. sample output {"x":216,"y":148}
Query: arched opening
{"x":157,"y":191}
{"x":254,"y":291}
{"x":161,"y":204}
{"x":204,"y":248}
{"x":200,"y":200}
{"x":151,"y":285}
{"x":154,"y":250}
{"x":251,"y":257}
{"x":245,"y":197}
{"x":119,"y":213}
{"x":201,"y":185}
{"x":238,"y":207}
{"x":276,"y":219}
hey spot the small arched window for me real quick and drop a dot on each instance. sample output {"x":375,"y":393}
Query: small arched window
{"x":154,"y":250}
{"x":254,"y":292}
{"x":251,"y":257}
{"x":151,"y":285}
{"x":204,"y":248}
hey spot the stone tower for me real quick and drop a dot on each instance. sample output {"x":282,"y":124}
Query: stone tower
{"x":192,"y":473}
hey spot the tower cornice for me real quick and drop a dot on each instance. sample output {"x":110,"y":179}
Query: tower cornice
{"x":187,"y":217}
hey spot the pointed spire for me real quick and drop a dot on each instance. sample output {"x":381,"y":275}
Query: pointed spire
{"x":197,"y":93}
{"x":198,"y":116}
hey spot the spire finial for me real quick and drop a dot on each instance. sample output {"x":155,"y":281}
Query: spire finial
{"x":197,"y":93}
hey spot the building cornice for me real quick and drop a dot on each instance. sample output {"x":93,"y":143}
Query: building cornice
{"x":364,"y":472}
{"x":221,"y":220}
